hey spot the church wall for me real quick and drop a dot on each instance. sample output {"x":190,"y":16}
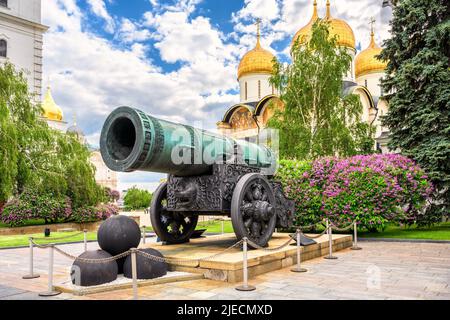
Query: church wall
{"x":103,"y":175}
{"x":253,"y":92}
{"x":24,"y":40}
{"x":373,"y":82}
{"x":350,"y":76}
{"x":25,"y":9}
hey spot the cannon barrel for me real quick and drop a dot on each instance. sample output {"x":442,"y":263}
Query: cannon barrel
{"x":134,"y":141}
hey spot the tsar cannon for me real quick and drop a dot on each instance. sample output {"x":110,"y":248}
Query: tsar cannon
{"x":208,"y":174}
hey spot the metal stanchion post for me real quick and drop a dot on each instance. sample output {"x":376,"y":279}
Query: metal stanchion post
{"x":245,"y":286}
{"x":143,"y":234}
{"x":355,"y":237}
{"x":134,"y":273}
{"x":298,"y":268}
{"x":223,"y":229}
{"x":85,"y":240}
{"x":32,"y":275}
{"x":50,"y":292}
{"x":330,"y":241}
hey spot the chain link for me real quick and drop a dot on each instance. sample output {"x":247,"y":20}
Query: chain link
{"x":316,"y":236}
{"x":334,"y":227}
{"x":61,"y":238}
{"x":270,"y":249}
{"x":181,"y":260}
{"x":93,"y":261}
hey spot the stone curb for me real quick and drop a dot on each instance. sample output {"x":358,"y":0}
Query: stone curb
{"x":402,"y":240}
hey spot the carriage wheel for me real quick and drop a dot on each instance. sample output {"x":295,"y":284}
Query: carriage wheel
{"x":253,"y":212}
{"x":171,"y":227}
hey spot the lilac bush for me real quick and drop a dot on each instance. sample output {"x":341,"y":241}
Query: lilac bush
{"x":372,"y":190}
{"x":93,"y":214}
{"x":30,"y":205}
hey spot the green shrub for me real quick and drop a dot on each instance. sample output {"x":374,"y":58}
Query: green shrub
{"x":31,"y":205}
{"x":93,"y":214}
{"x":137,"y":199}
{"x":372,"y":190}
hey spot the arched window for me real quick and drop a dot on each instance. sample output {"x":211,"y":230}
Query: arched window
{"x":4,"y":3}
{"x":3,"y":48}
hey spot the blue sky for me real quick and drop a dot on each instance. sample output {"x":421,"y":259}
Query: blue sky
{"x":175,"y":59}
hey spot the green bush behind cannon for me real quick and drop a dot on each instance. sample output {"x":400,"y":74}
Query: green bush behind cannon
{"x":208,"y":174}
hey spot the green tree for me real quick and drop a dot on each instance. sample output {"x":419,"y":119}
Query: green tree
{"x":36,"y":157}
{"x":137,"y":199}
{"x":418,"y":76}
{"x":317,"y":119}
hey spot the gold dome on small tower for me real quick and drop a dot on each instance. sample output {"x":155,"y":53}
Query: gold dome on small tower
{"x":339,"y":28}
{"x":366,"y":62}
{"x":51,"y":110}
{"x":257,"y":60}
{"x":304,"y":34}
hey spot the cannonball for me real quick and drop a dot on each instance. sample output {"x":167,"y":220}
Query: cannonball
{"x":87,"y":274}
{"x":146,"y":268}
{"x":120,"y":263}
{"x":118,"y":234}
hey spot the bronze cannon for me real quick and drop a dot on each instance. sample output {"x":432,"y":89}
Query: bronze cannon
{"x":208,"y":174}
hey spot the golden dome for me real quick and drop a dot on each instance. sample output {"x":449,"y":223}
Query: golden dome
{"x":339,"y":28}
{"x":51,"y":110}
{"x":304,"y":33}
{"x":366,"y":62}
{"x":257,"y":60}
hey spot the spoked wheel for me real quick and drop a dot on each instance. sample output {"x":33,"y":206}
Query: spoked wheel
{"x":171,"y":227}
{"x":253,"y":212}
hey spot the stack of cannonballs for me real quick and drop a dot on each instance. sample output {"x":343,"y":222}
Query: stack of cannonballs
{"x":116,"y":235}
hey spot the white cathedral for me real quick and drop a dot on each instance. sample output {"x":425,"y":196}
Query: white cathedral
{"x":21,"y":43}
{"x":245,"y":119}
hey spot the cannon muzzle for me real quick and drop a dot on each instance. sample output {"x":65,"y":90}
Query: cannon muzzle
{"x":134,"y":141}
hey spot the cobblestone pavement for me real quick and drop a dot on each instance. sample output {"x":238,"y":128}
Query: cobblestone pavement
{"x":382,"y":270}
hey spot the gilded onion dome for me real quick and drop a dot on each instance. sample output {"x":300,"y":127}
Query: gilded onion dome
{"x":257,"y":60}
{"x":339,"y":28}
{"x":366,"y":62}
{"x":51,"y":110}
{"x":303,"y":35}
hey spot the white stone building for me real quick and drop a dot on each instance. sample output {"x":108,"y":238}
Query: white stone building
{"x":21,"y":34}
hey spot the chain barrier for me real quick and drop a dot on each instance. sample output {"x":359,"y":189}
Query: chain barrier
{"x":334,"y":227}
{"x":257,"y":246}
{"x":181,"y":260}
{"x":61,"y":238}
{"x":316,"y":236}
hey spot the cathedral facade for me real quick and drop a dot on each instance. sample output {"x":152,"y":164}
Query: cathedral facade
{"x":252,"y":113}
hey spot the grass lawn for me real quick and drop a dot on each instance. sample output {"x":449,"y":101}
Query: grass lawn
{"x":22,"y":240}
{"x":438,"y":232}
{"x":32,"y":222}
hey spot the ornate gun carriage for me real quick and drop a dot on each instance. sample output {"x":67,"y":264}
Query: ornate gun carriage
{"x":208,"y":174}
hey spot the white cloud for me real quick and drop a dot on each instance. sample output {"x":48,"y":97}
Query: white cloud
{"x":130,"y":32}
{"x":98,"y":7}
{"x":92,"y":75}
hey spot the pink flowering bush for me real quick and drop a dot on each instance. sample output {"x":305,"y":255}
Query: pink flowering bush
{"x":30,"y":205}
{"x":93,"y":214}
{"x":372,"y":190}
